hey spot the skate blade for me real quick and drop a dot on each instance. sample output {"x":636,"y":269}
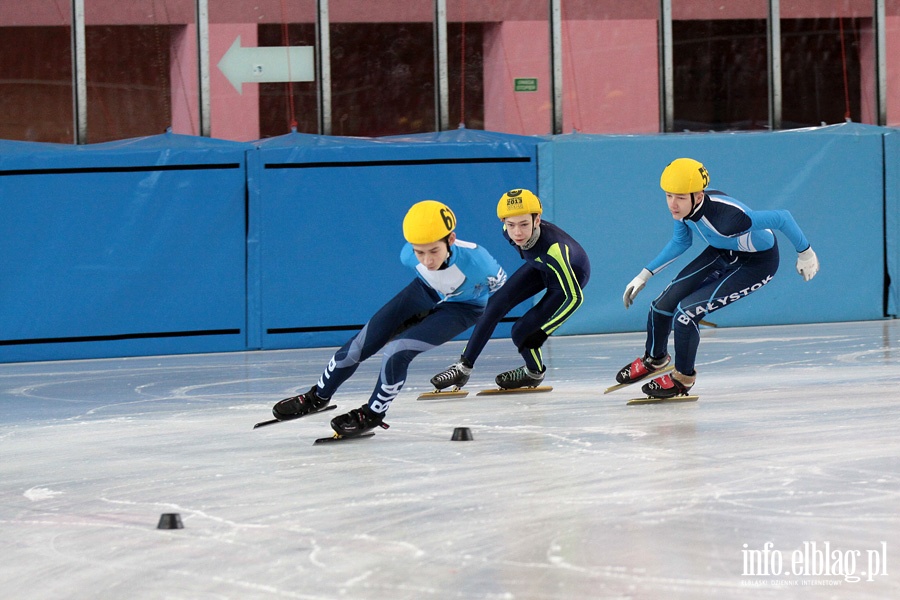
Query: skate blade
{"x":523,"y":390}
{"x":648,"y":400}
{"x":437,"y":394}
{"x":653,"y":375}
{"x":340,"y":438}
{"x":273,"y":421}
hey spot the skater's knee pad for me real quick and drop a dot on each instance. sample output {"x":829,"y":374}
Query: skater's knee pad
{"x":534,"y":340}
{"x":526,"y":338}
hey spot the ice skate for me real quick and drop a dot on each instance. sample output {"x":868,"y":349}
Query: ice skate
{"x":669,"y":385}
{"x":456,"y":375}
{"x":641,"y":368}
{"x":300,"y":405}
{"x":519,"y":378}
{"x":357,"y":422}
{"x":447,"y":394}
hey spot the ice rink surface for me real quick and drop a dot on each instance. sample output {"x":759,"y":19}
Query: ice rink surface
{"x":782,"y":481}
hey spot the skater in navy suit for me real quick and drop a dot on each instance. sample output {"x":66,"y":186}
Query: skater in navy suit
{"x":555,"y":264}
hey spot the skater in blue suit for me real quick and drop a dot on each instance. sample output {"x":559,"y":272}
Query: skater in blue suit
{"x":741,"y":258}
{"x":453,"y":282}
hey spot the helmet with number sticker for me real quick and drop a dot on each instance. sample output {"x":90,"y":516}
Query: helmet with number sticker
{"x":428,"y":221}
{"x":684,"y":176}
{"x":518,"y":202}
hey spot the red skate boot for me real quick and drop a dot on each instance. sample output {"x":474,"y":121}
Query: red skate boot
{"x":641,"y":368}
{"x":670,"y":385}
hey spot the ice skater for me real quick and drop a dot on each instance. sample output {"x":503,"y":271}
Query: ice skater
{"x":453,"y":282}
{"x":741,"y":258}
{"x":555,"y":263}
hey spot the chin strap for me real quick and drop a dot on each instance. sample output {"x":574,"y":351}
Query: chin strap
{"x":533,"y":239}
{"x":449,"y":256}
{"x":695,"y":206}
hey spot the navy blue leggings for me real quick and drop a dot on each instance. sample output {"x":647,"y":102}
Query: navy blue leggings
{"x":526,"y":282}
{"x":713,"y":280}
{"x":410,"y":323}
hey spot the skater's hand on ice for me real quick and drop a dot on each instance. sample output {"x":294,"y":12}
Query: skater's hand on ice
{"x":636,"y":285}
{"x":807,"y":264}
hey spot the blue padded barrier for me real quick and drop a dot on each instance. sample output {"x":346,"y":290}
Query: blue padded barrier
{"x":606,"y":193}
{"x":124,"y":248}
{"x":325,"y":229}
{"x":142,"y":246}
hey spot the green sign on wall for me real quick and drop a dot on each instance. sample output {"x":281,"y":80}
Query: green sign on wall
{"x":526,"y":84}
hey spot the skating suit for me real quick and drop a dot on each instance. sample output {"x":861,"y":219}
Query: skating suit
{"x":556,"y":263}
{"x":434,"y":308}
{"x":742,"y":257}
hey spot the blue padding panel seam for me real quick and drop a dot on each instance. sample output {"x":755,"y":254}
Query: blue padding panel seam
{"x":397,"y":163}
{"x":76,"y":170}
{"x":119,"y":337}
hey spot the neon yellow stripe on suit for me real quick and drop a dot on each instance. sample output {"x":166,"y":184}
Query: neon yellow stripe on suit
{"x":538,"y":358}
{"x":569,"y":284}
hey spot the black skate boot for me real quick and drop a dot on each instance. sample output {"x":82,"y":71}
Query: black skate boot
{"x":519,"y":378}
{"x":670,"y":385}
{"x":641,"y":368}
{"x":357,"y":421}
{"x":456,"y":375}
{"x":300,"y":405}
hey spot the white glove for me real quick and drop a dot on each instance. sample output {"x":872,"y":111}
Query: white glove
{"x":636,"y":285}
{"x":807,"y":264}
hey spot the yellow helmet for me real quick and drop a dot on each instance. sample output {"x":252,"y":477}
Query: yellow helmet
{"x":518,"y":202}
{"x":684,"y":176}
{"x":428,"y":221}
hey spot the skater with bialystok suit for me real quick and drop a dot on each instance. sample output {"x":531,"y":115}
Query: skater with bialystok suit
{"x":453,"y":282}
{"x":555,"y":264}
{"x":741,"y":258}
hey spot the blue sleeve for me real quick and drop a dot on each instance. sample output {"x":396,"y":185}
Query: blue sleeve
{"x":408,"y":257}
{"x":784,"y":222}
{"x":682,"y":238}
{"x":495,"y":275}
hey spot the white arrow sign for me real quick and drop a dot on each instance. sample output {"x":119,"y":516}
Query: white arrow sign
{"x":267,"y":65}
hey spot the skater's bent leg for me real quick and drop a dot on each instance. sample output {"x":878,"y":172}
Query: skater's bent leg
{"x":415,"y":298}
{"x":445,"y":323}
{"x":746,"y":274}
{"x":535,"y":326}
{"x":664,"y":307}
{"x":346,"y":360}
{"x":397,"y":356}
{"x":342,"y":365}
